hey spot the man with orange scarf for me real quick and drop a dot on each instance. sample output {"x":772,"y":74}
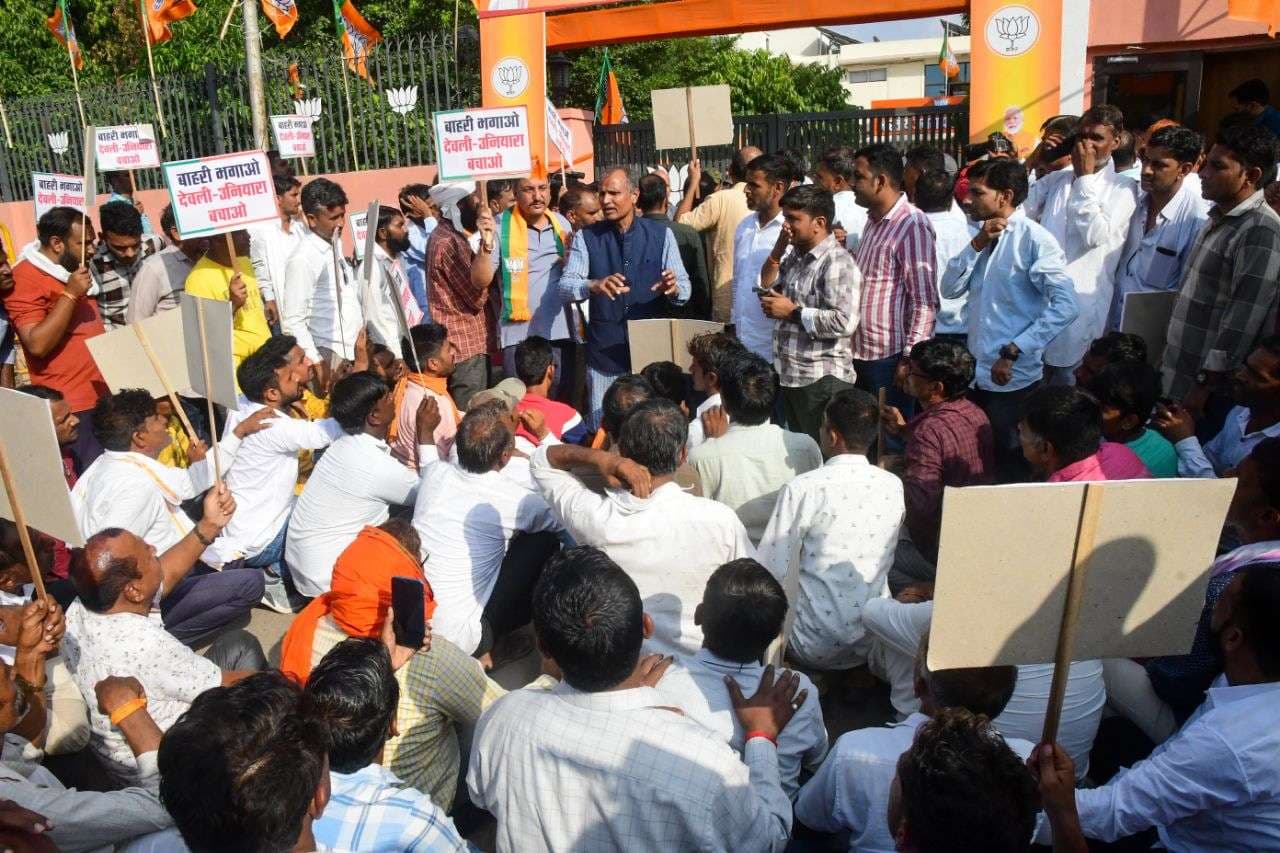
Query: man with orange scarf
{"x":440,"y":688}
{"x":436,"y":356}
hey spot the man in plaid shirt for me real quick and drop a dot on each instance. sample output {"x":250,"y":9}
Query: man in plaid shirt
{"x":1228,"y":298}
{"x":813,"y":294}
{"x":116,"y":261}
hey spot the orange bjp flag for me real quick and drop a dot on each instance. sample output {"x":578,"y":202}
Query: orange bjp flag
{"x":283,"y":14}
{"x":59,"y":23}
{"x":358,"y":36}
{"x":162,"y":13}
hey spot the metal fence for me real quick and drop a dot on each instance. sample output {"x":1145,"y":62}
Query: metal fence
{"x":808,"y":134}
{"x":209,"y":113}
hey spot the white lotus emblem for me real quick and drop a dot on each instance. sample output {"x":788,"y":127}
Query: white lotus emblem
{"x":58,"y":142}
{"x":402,"y":100}
{"x":309,"y":107}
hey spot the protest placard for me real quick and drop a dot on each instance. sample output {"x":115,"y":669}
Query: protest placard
{"x":359,"y":220}
{"x":559,"y":134}
{"x":1147,"y":316}
{"x":149,"y":354}
{"x":665,"y":340}
{"x":34,"y":464}
{"x":294,"y":135}
{"x":691,"y":116}
{"x":479,"y":144}
{"x":50,"y":190}
{"x":226,"y":192}
{"x":219,"y":383}
{"x":126,"y":146}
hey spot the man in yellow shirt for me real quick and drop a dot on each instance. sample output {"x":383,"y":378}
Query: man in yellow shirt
{"x":213,"y":278}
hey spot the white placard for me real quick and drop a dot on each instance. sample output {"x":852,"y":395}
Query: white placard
{"x":478,"y":144}
{"x":559,"y":135}
{"x":50,"y":190}
{"x":294,"y":136}
{"x":26,"y":428}
{"x":359,"y":230}
{"x":217,"y":328}
{"x":226,"y":192}
{"x":707,"y":108}
{"x":123,"y":362}
{"x":125,"y":146}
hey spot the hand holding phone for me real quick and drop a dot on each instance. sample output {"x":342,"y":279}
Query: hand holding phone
{"x":408,"y":620}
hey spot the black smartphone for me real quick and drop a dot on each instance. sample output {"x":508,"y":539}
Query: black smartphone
{"x":1062,"y":149}
{"x":410,"y":619}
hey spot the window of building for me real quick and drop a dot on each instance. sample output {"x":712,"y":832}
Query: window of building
{"x":869,"y":75}
{"x":936,"y":84}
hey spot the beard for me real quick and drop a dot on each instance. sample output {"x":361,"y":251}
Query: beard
{"x":399,"y":245}
{"x":69,"y":261}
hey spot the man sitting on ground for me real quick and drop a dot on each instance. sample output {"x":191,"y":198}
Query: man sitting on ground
{"x":1111,"y":348}
{"x":710,"y":358}
{"x":1127,"y":394}
{"x":536,"y":368}
{"x":741,"y":613}
{"x":632,"y":773}
{"x":1061,"y":435}
{"x":435,"y":355}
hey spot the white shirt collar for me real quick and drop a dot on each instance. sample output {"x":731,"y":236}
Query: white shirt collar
{"x":847,"y":459}
{"x":708,"y":404}
{"x":714,"y":660}
{"x":609,"y":700}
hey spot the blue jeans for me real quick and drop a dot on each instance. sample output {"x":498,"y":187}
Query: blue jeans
{"x":272,"y":554}
{"x":877,"y":374}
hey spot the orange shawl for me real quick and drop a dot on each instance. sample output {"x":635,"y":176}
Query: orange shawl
{"x":358,"y":599}
{"x":438,"y":384}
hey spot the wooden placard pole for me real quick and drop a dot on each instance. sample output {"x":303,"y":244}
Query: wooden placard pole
{"x":151,"y":66}
{"x":351,"y":122}
{"x":208,"y":388}
{"x":336,"y":244}
{"x":693,"y":137}
{"x":89,"y":164}
{"x":226,"y":23}
{"x":1086,"y":533}
{"x":20,"y":520}
{"x":145,"y":343}
{"x":880,"y":453}
{"x":75,"y":81}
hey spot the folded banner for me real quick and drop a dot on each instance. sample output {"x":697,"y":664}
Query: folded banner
{"x":126,"y":146}
{"x":226,"y":192}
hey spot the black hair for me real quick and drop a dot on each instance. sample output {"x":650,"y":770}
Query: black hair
{"x":1253,"y":146}
{"x":713,"y":351}
{"x":1064,"y":125}
{"x":1132,"y":387}
{"x":1251,"y":91}
{"x":483,"y":435}
{"x":748,"y":388}
{"x":811,"y":199}
{"x":1255,"y":614}
{"x":387,"y":215}
{"x":239,"y":769}
{"x":57,"y":222}
{"x":934,"y":191}
{"x":116,"y":417}
{"x":653,"y":193}
{"x":1000,"y":174}
{"x":498,"y":186}
{"x":926,"y":159}
{"x":168,"y":222}
{"x":883,"y":159}
{"x":839,"y":162}
{"x":984,"y":690}
{"x":284,"y":182}
{"x":737,"y":170}
{"x":1104,"y":114}
{"x":1125,"y":153}
{"x":421,"y":191}
{"x":1119,"y":347}
{"x":589,"y":618}
{"x":948,"y":362}
{"x":743,"y":608}
{"x":354,"y":691}
{"x":427,"y":339}
{"x":854,"y":415}
{"x":256,"y":375}
{"x":653,"y":435}
{"x":776,"y":168}
{"x":1182,"y":142}
{"x":620,"y":399}
{"x":320,"y":194}
{"x":354,"y":397}
{"x":571,"y":198}
{"x":44,"y":392}
{"x":960,"y":781}
{"x":667,"y":380}
{"x":533,"y":356}
{"x":99,"y":587}
{"x":1066,"y":417}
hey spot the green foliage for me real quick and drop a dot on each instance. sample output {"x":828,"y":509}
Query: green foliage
{"x":761,"y":83}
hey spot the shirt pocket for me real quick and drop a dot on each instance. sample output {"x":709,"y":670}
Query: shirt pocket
{"x":1162,"y":271}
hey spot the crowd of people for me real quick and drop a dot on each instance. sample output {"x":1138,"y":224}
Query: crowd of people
{"x":703,"y":561}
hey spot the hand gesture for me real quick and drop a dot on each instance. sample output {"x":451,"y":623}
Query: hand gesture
{"x":427,"y":418}
{"x":488,"y":229}
{"x":666,"y":284}
{"x":15,"y":817}
{"x":361,"y":351}
{"x":114,"y":691}
{"x":41,"y":628}
{"x":892,"y":421}
{"x":273,"y":312}
{"x":633,"y":476}
{"x":79,"y":282}
{"x":239,"y":292}
{"x":611,"y":286}
{"x":137,"y":205}
{"x":772,"y":706}
{"x":401,"y":655}
{"x":715,"y":422}
{"x":416,"y":207}
{"x":841,"y":235}
{"x":1002,"y":371}
{"x":989,"y":231}
{"x":1084,"y":159}
{"x":1174,"y":422}
{"x":653,"y":667}
{"x":197,"y":450}
{"x":695,"y":177}
{"x":784,"y":240}
{"x":1056,"y":776}
{"x":534,"y":422}
{"x":256,"y":422}
{"x":218,"y":506}
{"x":776,"y":306}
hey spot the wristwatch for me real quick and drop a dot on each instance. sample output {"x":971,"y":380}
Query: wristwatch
{"x":200,"y":536}
{"x":1202,"y":377}
{"x":795,"y":316}
{"x":1010,"y":352}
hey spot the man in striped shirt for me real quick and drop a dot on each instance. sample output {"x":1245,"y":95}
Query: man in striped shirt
{"x":899,"y":286}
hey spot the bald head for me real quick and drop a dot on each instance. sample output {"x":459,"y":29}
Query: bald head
{"x":112,"y":561}
{"x":484,"y":439}
{"x":738,"y":166}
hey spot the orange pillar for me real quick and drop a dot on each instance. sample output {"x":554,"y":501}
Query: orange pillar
{"x":513,"y":72}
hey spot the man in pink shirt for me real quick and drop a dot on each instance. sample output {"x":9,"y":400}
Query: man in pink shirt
{"x":434,"y":357}
{"x":1061,"y":435}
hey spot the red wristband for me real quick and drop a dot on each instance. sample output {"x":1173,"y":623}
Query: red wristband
{"x":773,"y":740}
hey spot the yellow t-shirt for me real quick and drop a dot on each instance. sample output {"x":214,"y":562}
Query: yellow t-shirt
{"x":209,"y":279}
{"x":175,"y":455}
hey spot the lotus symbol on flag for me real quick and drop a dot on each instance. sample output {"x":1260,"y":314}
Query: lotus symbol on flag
{"x":309,"y":107}
{"x":1013,"y":28}
{"x":402,"y":100}
{"x":58,"y":142}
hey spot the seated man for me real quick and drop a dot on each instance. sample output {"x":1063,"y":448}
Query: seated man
{"x":536,"y":368}
{"x":117,"y":576}
{"x":832,"y":538}
{"x":741,"y":613}
{"x":354,"y":484}
{"x":598,"y":762}
{"x":434,"y":354}
{"x":486,"y":537}
{"x":621,"y":399}
{"x":263,"y":475}
{"x":127,"y":488}
{"x":1127,"y":394}
{"x":1061,"y":437}
{"x":667,"y":540}
{"x":246,"y":769}
{"x":850,"y":792}
{"x":1111,"y":348}
{"x":711,"y":355}
{"x":355,"y":692}
{"x":442,"y":688}
{"x":745,"y":468}
{"x":1256,"y":388}
{"x":1212,"y":785}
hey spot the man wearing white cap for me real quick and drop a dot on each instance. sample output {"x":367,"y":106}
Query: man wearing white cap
{"x":455,"y":302}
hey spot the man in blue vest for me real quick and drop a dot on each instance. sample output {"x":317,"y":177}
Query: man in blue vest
{"x":627,"y":268}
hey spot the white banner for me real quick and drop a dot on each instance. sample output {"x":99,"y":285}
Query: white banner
{"x":359,"y":230}
{"x":126,"y":146}
{"x":52,"y":190}
{"x":477,"y":144}
{"x":226,"y":192}
{"x":294,"y":136}
{"x":559,"y":135}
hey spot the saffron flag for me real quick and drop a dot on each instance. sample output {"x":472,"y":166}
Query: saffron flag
{"x":609,"y":108}
{"x":947,"y":57}
{"x":162,"y":13}
{"x":282,"y":13}
{"x":295,"y":82}
{"x":358,"y":36}
{"x":59,"y":23}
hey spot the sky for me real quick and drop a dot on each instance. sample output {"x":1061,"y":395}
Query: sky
{"x":890,"y":30}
